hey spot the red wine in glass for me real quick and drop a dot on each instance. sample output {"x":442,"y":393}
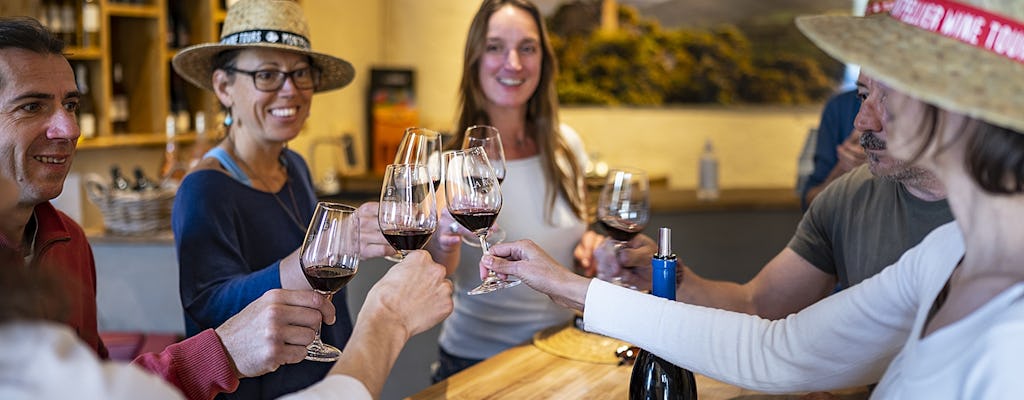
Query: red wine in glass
{"x":328,"y":278}
{"x":475,"y":219}
{"x":619,"y":230}
{"x":407,"y":239}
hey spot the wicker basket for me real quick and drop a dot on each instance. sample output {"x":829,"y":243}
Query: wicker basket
{"x":130,"y":212}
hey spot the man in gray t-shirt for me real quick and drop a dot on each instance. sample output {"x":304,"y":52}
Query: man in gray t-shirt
{"x":860,"y":224}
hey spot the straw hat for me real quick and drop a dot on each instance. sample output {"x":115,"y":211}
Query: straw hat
{"x":975,"y":70}
{"x":273,"y":24}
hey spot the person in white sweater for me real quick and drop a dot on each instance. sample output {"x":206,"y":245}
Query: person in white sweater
{"x":945,"y":321}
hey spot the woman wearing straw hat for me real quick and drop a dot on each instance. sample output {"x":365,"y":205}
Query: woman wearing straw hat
{"x":946,"y":320}
{"x":241,"y":214}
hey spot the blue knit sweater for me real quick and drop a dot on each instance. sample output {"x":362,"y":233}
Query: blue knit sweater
{"x":230,"y":239}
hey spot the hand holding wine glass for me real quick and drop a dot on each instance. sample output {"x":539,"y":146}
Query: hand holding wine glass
{"x":623,"y":209}
{"x":488,"y":138}
{"x":329,"y":258}
{"x":408,"y":207}
{"x":474,"y":200}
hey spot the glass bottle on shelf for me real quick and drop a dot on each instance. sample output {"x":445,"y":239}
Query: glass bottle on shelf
{"x":69,"y":22}
{"x":172,"y":170}
{"x":54,"y":22}
{"x":117,"y":180}
{"x":90,"y":23}
{"x":179,"y":104}
{"x":119,"y":111}
{"x":707,"y":187}
{"x":86,"y":109}
{"x":202,"y":144}
{"x":142,"y":182}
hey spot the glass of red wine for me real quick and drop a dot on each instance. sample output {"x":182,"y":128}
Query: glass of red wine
{"x":408,"y":208}
{"x":329,"y":258}
{"x":488,"y":138}
{"x":623,"y":208}
{"x":474,"y":200}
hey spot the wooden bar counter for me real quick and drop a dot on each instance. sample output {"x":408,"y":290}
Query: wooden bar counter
{"x":527,"y":372}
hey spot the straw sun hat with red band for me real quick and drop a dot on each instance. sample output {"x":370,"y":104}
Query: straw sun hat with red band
{"x":273,"y":24}
{"x":965,"y":56}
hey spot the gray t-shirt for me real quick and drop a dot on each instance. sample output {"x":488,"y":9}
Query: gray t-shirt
{"x":861,"y":224}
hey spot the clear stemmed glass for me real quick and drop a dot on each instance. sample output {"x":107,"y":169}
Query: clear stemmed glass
{"x":329,"y":258}
{"x":489,"y":139}
{"x":474,"y":200}
{"x":623,"y":208}
{"x":408,"y":207}
{"x":422,"y":146}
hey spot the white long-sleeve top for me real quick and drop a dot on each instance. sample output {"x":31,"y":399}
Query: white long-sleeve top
{"x":869,"y":332}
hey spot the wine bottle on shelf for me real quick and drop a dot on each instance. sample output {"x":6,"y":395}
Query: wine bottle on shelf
{"x":119,"y":110}
{"x":69,"y":22}
{"x":117,"y":180}
{"x":90,"y":23}
{"x":179,"y":104}
{"x":54,"y":22}
{"x":142,"y":182}
{"x":86,"y":109}
{"x":172,"y":170}
{"x":707,"y":188}
{"x":653,"y":378}
{"x":202,"y":144}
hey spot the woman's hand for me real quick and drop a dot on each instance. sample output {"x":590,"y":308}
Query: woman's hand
{"x":584,"y":252}
{"x":537,"y":269}
{"x":371,"y":240}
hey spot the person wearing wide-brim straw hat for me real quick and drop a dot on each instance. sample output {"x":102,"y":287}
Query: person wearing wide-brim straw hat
{"x":946,"y":320}
{"x":240,"y":215}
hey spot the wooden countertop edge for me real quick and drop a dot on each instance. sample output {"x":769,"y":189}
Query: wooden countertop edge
{"x":753,"y":199}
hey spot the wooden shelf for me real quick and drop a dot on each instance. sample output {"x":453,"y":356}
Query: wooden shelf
{"x":83,"y":53}
{"x":133,"y":10}
{"x":132,"y":140}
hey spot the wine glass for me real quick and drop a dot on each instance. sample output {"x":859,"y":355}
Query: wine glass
{"x":623,"y":209}
{"x":422,"y":146}
{"x":489,"y":139}
{"x":408,"y":208}
{"x":329,"y":258}
{"x":474,"y":200}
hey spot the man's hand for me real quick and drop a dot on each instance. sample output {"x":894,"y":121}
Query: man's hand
{"x":414,"y":294}
{"x":584,"y":252}
{"x":274,"y":330}
{"x":537,"y":269}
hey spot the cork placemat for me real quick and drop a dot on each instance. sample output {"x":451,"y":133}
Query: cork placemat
{"x":570,"y":342}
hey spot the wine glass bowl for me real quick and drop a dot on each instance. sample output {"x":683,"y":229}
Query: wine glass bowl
{"x":623,"y":207}
{"x":422,"y":146}
{"x":489,"y":139}
{"x":329,"y":258}
{"x":408,"y":207}
{"x":474,"y":200}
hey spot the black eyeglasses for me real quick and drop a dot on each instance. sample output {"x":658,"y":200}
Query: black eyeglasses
{"x":269,"y":80}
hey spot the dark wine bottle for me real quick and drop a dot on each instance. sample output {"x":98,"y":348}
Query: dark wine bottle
{"x":118,"y":181}
{"x":654,"y":378}
{"x":143,"y":183}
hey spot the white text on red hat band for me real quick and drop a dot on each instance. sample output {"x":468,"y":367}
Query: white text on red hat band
{"x":965,"y":23}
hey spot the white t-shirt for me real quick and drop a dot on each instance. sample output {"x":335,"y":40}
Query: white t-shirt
{"x":44,"y":360}
{"x":848,"y":339}
{"x":484,"y":325}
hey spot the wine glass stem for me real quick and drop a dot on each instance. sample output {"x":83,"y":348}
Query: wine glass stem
{"x":483,"y":243}
{"x":316,"y":339}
